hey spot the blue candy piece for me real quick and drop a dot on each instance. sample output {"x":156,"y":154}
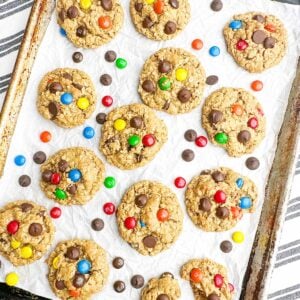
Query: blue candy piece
{"x":245,"y":202}
{"x":84,"y":266}
{"x":75,"y":175}
{"x":142,"y":224}
{"x":88,"y":132}
{"x":214,"y":51}
{"x":235,"y":24}
{"x":239,"y":182}
{"x":20,"y":160}
{"x":62,"y":31}
{"x":66,"y":98}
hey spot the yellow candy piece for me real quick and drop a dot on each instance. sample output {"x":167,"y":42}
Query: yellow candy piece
{"x":238,"y":237}
{"x":12,"y":279}
{"x":55,"y":262}
{"x":85,"y":4}
{"x":149,"y":1}
{"x":119,"y":124}
{"x":83,"y":103}
{"x":15,"y":244}
{"x":26,"y":252}
{"x":181,"y":74}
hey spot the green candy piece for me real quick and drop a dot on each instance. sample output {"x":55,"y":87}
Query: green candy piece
{"x":109,"y":182}
{"x":60,"y":194}
{"x":164,"y":83}
{"x":134,"y":140}
{"x":221,"y":138}
{"x":121,"y":63}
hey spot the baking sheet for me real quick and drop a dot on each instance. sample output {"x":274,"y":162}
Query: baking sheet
{"x":167,"y":165}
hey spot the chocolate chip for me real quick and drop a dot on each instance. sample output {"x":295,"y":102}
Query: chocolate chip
{"x":77,"y":86}
{"x":46,"y":176}
{"x":26,"y":207}
{"x":110,"y":56}
{"x":62,"y":165}
{"x":147,"y":22}
{"x":222,"y":212}
{"x":55,"y":87}
{"x":39,"y":157}
{"x":106,"y":5}
{"x":258,"y":36}
{"x":244,"y":136}
{"x":188,"y":155}
{"x":97,"y":224}
{"x":205,"y":204}
{"x":101,"y":118}
{"x":252,"y":163}
{"x":184,"y":95}
{"x":226,"y":246}
{"x":212,"y":79}
{"x":73,"y":253}
{"x":118,"y":262}
{"x":216,"y":5}
{"x":218,"y":176}
{"x":166,"y":105}
{"x":81,"y":31}
{"x":174,"y":3}
{"x":24,"y":180}
{"x":62,"y":15}
{"x":67,"y":76}
{"x":139,"y":157}
{"x":138,"y":6}
{"x":205,"y":172}
{"x":213,"y":296}
{"x":148,"y":86}
{"x":190,"y":135}
{"x":72,"y":189}
{"x":215,"y":116}
{"x":119,"y":286}
{"x":77,"y":57}
{"x":53,"y":108}
{"x":137,"y":281}
{"x":269,"y":42}
{"x":59,"y":284}
{"x":141,"y":200}
{"x":164,"y":66}
{"x":163,"y":297}
{"x":72,"y":12}
{"x":136,"y":122}
{"x":167,"y":274}
{"x":78,"y":280}
{"x":106,"y":79}
{"x":150,"y":241}
{"x":259,"y":18}
{"x":170,"y":27}
{"x":35,"y":229}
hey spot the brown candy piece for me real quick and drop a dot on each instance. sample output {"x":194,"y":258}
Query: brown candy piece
{"x":212,"y":79}
{"x":150,"y":241}
{"x":101,"y":118}
{"x":164,"y":66}
{"x":106,"y":79}
{"x":167,"y":274}
{"x":39,"y":157}
{"x":68,"y":76}
{"x":147,"y":22}
{"x":119,"y":286}
{"x":222,"y":212}
{"x":62,"y":165}
{"x":53,"y":108}
{"x":259,"y":36}
{"x":244,"y":136}
{"x":73,"y":253}
{"x":216,"y":5}
{"x":110,"y":56}
{"x":218,"y":176}
{"x":55,"y":87}
{"x":252,"y":163}
{"x":174,"y":4}
{"x":72,"y":12}
{"x":188,"y":155}
{"x":170,"y":27}
{"x":259,"y":18}
{"x":138,"y":6}
{"x":78,"y":281}
{"x":269,"y":42}
{"x":81,"y":31}
{"x":26,"y":207}
{"x":137,"y":281}
{"x":205,"y":204}
{"x":24,"y":180}
{"x":106,"y":5}
{"x":141,"y":200}
{"x":163,"y":297}
{"x":226,"y":246}
{"x":35,"y":229}
{"x":213,"y":296}
{"x":77,"y":57}
{"x":136,"y":122}
{"x":190,"y":135}
{"x":97,"y":224}
{"x":46,"y":176}
{"x":60,"y":285}
{"x":184,"y":95}
{"x":215,"y":116}
{"x":118,"y":262}
{"x":148,"y":86}
{"x":62,"y":15}
{"x":72,"y":189}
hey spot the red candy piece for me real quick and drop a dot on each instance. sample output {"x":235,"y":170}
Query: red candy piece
{"x":163,"y":215}
{"x":201,"y":141}
{"x":12,"y":227}
{"x":236,"y":212}
{"x":196,"y":275}
{"x":270,"y":27}
{"x":158,"y":7}
{"x":45,"y":136}
{"x":197,"y":44}
{"x":252,"y":123}
{"x":220,"y":197}
{"x":231,"y":287}
{"x":109,"y":208}
{"x":218,"y":280}
{"x":130,"y":222}
{"x":241,"y":45}
{"x":107,"y":101}
{"x":148,"y":140}
{"x":180,"y":182}
{"x":55,"y":212}
{"x":55,"y":178}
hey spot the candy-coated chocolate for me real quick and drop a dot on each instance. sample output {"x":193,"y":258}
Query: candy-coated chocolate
{"x":55,"y":212}
{"x":15,"y":244}
{"x":237,"y":109}
{"x":238,"y":237}
{"x":134,"y":140}
{"x":245,"y":202}
{"x":109,"y":208}
{"x":83,"y":103}
{"x":181,"y":74}
{"x":75,"y":175}
{"x":20,"y":160}
{"x":88,"y":132}
{"x":45,"y":136}
{"x":201,"y":141}
{"x":220,"y":196}
{"x":60,"y":194}
{"x":158,"y":6}
{"x":148,"y":140}
{"x":62,"y":32}
{"x":252,"y":123}
{"x":180,"y":182}
{"x":13,"y":226}
{"x":197,"y":44}
{"x":119,"y":124}
{"x":109,"y":182}
{"x":235,"y":24}
{"x":26,"y":252}
{"x":130,"y":222}
{"x":85,"y":4}
{"x":196,"y":275}
{"x":84,"y":266}
{"x":241,"y":45}
{"x":218,"y":280}
{"x":55,"y":262}
{"x":221,"y":138}
{"x":104,"y":22}
{"x":214,"y":51}
{"x":164,"y":83}
{"x":270,"y":27}
{"x":66,"y":98}
{"x":12,"y":279}
{"x":121,"y":63}
{"x":239,"y":182}
{"x":107,"y":101}
{"x":163,"y":215}
{"x":257,"y":85}
{"x":55,"y":178}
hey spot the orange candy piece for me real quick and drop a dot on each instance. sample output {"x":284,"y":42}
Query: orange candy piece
{"x":104,"y":22}
{"x":196,"y":275}
{"x":237,"y":109}
{"x":74,"y":293}
{"x":236,"y":212}
{"x":270,"y":27}
{"x":158,"y":6}
{"x":45,"y":136}
{"x":163,"y":214}
{"x":257,"y":85}
{"x":197,"y":44}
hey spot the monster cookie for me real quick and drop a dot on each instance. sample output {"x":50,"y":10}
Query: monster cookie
{"x":216,"y":199}
{"x":26,"y":232}
{"x":131,"y":136}
{"x":67,"y":97}
{"x":149,"y":217}
{"x":92,"y":23}
{"x":72,"y":176}
{"x":208,"y":280}
{"x":172,"y":80}
{"x":163,"y":288}
{"x":160,"y":19}
{"x":77,"y":269}
{"x":256,"y":41}
{"x":234,"y":120}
